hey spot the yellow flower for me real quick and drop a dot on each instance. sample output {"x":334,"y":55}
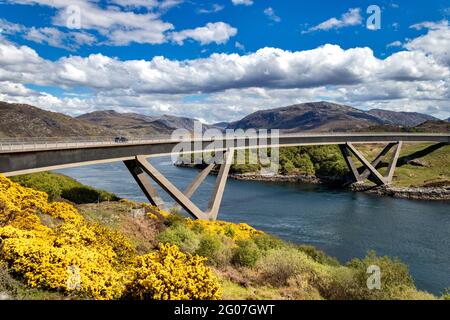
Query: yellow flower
{"x":73,"y":255}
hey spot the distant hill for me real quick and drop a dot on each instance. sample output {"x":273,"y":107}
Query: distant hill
{"x":431,"y":126}
{"x":405,"y":119}
{"x":139,"y":124}
{"x":221,"y":125}
{"x":325,"y":116}
{"x":22,"y":120}
{"x":130,"y":123}
{"x":434,"y":126}
{"x":313,"y":116}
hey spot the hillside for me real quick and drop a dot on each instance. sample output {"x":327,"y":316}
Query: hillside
{"x":429,"y":126}
{"x":21,"y":120}
{"x":138,"y":124}
{"x":127,"y":122}
{"x":326,"y":116}
{"x":434,"y":126}
{"x":405,"y":119}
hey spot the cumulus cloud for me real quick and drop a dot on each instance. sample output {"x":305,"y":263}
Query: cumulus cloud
{"x":436,"y":42}
{"x":232,"y":85}
{"x":218,"y":33}
{"x":350,"y":18}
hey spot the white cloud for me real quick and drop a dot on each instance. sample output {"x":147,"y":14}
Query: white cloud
{"x":242,"y":2}
{"x":350,"y":18}
{"x":119,"y":25}
{"x":394,"y":44}
{"x":233,"y":85}
{"x":218,"y":33}
{"x":213,"y":9}
{"x":270,"y":13}
{"x":436,"y":42}
{"x":56,"y":38}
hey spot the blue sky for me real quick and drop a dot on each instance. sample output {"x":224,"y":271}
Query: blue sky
{"x":220,"y":60}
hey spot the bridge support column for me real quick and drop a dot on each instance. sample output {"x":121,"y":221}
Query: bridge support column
{"x":183,"y":199}
{"x":375,"y":163}
{"x":189,"y":192}
{"x":145,"y":184}
{"x":350,"y":164}
{"x":393,"y":162}
{"x":216,"y":198}
{"x":371,"y":167}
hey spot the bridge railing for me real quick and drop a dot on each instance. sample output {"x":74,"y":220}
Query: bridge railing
{"x":37,"y":143}
{"x":10,"y":144}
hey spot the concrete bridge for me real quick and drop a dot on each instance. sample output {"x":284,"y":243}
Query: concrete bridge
{"x":18,"y":157}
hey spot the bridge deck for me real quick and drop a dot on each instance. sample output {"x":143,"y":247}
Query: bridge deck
{"x":27,"y":156}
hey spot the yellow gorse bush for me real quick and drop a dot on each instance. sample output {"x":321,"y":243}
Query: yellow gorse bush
{"x":234,"y":231}
{"x":169,"y":274}
{"x":51,"y":246}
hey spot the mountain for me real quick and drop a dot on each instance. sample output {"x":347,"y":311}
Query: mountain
{"x":127,"y":123}
{"x":326,"y":116}
{"x":138,"y":124}
{"x":221,"y":125}
{"x":22,"y":120}
{"x":313,"y":116}
{"x":405,"y":119}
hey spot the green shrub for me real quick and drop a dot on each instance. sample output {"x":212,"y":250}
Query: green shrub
{"x":80,"y":195}
{"x":266,"y":242}
{"x":181,"y":236}
{"x":245,"y":168}
{"x":303,"y":164}
{"x":279,"y":265}
{"x":60,"y":186}
{"x":246,"y":254}
{"x":216,"y":248}
{"x":396,"y":282}
{"x":318,"y":255}
{"x":174,"y":218}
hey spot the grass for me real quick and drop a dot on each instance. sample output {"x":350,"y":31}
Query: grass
{"x":428,"y":170}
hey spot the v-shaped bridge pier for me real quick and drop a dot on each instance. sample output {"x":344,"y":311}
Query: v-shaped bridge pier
{"x":371,"y":168}
{"x":140,"y":168}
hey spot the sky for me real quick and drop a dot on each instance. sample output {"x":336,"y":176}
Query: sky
{"x":223,"y":59}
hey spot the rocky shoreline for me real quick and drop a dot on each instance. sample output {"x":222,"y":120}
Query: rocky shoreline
{"x":414,"y":193}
